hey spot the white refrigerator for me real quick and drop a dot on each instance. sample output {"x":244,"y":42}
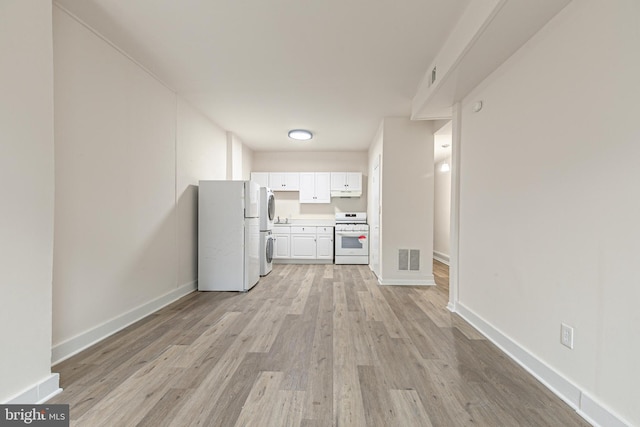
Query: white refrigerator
{"x":228,"y":235}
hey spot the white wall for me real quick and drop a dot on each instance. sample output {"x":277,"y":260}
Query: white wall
{"x":129,"y":154}
{"x":239,"y":158}
{"x":236,"y":158}
{"x":26,"y":191}
{"x":406,"y":198}
{"x":115,"y":225}
{"x":201,"y":155}
{"x":247,"y":162}
{"x":287,"y":203}
{"x":550,"y":200}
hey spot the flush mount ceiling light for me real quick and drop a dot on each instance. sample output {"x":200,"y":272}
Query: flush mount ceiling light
{"x":300,"y":134}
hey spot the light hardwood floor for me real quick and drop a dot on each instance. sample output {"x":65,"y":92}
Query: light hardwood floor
{"x":310,"y":345}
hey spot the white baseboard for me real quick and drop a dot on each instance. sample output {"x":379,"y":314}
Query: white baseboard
{"x":592,"y":411}
{"x":302,"y":261}
{"x":39,"y":392}
{"x":407,"y":282}
{"x":74,"y":345}
{"x":442,"y":257}
{"x":597,"y":414}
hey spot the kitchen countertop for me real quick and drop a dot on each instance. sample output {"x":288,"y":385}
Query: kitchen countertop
{"x":307,"y":223}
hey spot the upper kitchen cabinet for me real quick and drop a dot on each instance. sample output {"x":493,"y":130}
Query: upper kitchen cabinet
{"x":346,"y":183}
{"x":284,"y":181}
{"x":315,"y":187}
{"x":262,"y":178}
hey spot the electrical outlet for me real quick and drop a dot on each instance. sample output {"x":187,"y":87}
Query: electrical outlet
{"x":566,"y":335}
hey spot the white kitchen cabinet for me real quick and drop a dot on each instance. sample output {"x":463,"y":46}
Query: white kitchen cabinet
{"x":281,"y":242}
{"x":315,"y":187}
{"x":324,"y":243}
{"x":303,"y":242}
{"x":346,"y":181}
{"x":262,"y":178}
{"x":284,"y":181}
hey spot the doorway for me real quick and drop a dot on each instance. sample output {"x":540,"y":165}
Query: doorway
{"x":442,"y":144}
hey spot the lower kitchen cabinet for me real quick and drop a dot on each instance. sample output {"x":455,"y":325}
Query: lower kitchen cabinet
{"x":281,"y":242}
{"x":303,"y":246}
{"x":303,"y":243}
{"x":324,"y":243}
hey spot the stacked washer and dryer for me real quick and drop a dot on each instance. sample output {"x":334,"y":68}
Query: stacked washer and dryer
{"x":267,"y":213}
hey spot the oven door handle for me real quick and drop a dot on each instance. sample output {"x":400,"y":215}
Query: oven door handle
{"x":352,"y":234}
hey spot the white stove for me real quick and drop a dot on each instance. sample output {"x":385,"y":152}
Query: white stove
{"x":352,"y":238}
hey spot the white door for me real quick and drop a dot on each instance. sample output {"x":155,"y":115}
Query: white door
{"x":374,"y":219}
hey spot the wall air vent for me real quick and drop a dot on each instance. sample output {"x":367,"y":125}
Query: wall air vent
{"x":409,"y":259}
{"x":403,"y":259}
{"x":414,"y":259}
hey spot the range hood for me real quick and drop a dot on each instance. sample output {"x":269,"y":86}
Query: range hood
{"x":346,"y":193}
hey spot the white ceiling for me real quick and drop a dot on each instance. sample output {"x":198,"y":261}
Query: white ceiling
{"x":259,"y":68}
